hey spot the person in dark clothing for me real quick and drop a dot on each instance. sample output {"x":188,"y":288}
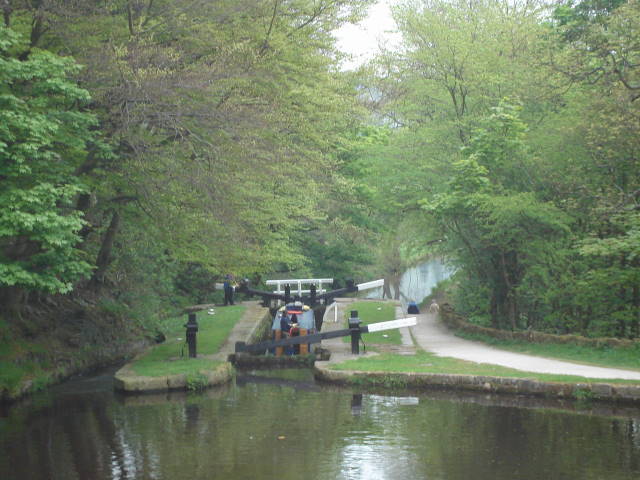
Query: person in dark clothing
{"x":285,"y":326}
{"x":294,"y":331}
{"x":228,"y":290}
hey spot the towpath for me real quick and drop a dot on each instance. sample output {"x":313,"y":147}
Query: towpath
{"x":431,"y":335}
{"x":243,"y":330}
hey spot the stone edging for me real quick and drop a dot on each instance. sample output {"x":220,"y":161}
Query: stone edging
{"x":125,"y":380}
{"x":596,"y":391}
{"x":262,"y":327}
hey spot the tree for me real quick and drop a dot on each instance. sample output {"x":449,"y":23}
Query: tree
{"x":223,"y":116}
{"x":44,"y":136}
{"x":600,"y":39}
{"x":462,"y":57}
{"x":497,"y":232}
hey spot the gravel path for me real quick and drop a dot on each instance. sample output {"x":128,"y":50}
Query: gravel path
{"x":433,"y":336}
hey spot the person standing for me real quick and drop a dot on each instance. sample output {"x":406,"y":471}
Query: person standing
{"x":228,"y":289}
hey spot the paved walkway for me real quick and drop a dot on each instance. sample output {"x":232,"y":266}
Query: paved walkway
{"x":431,"y":335}
{"x":243,"y":329}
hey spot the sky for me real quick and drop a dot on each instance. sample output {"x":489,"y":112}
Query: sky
{"x":362,"y":40}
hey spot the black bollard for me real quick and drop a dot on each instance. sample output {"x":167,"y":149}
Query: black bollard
{"x":354,"y":326}
{"x":312,"y":295}
{"x":192,"y":330}
{"x":287,"y":293}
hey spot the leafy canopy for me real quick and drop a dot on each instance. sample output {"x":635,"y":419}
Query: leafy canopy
{"x":43,"y":137}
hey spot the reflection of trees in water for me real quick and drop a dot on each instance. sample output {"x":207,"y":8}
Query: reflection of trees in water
{"x":234,"y":434}
{"x":231,"y":437}
{"x":73,"y":437}
{"x":504,"y":442}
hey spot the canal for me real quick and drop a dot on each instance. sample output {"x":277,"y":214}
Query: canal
{"x":282,"y":425}
{"x":417,"y":282}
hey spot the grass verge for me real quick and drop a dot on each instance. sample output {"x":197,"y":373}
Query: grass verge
{"x":373,"y":312}
{"x":604,"y":356}
{"x":424,"y":362}
{"x":171,"y":357}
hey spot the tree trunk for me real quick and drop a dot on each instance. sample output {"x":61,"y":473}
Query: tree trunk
{"x":509,"y":277}
{"x":396,"y":288}
{"x":636,"y":311}
{"x":513,"y":310}
{"x":104,"y":258}
{"x":395,"y":280}
{"x":12,"y":300}
{"x":494,"y":310}
{"x":6,"y":12}
{"x":386,"y":288}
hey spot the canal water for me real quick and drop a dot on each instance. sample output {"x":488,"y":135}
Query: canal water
{"x":417,"y":282}
{"x":281,"y":425}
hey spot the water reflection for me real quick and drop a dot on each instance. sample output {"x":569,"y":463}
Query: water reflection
{"x":356,"y":404}
{"x":266,"y":428}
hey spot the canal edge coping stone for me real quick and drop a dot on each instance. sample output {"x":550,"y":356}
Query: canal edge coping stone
{"x":481,"y":383}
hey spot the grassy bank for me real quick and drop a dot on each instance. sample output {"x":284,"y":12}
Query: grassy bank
{"x":12,"y":374}
{"x":43,"y":349}
{"x":604,"y":356}
{"x":171,"y":357}
{"x":373,"y":312}
{"x":424,"y":362}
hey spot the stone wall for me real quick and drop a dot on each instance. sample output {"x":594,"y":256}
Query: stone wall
{"x":482,"y":383}
{"x":456,"y":321}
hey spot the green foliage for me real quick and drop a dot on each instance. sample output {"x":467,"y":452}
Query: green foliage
{"x":227,"y":120}
{"x":583,"y":395}
{"x":43,"y":137}
{"x":603,"y":51}
{"x":240,"y":148}
{"x":196,"y":382}
{"x":498,"y":232}
{"x":538,"y":221}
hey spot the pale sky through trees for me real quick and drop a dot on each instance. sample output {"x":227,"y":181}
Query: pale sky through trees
{"x":363,"y":40}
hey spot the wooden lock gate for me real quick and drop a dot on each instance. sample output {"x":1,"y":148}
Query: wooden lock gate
{"x":355,"y":331}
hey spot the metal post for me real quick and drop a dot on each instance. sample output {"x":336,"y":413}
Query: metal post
{"x":354,"y":326}
{"x":287,"y":293}
{"x":192,"y":330}
{"x":312,"y":295}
